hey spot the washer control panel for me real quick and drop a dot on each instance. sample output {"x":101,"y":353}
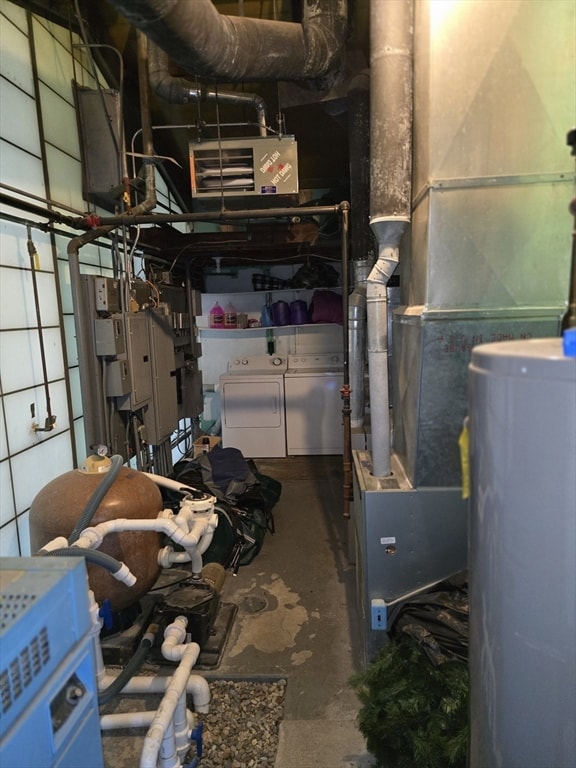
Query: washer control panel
{"x":257,"y":364}
{"x":328,"y":361}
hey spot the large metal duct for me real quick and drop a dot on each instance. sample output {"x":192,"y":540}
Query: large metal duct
{"x":179,"y":90}
{"x":240,"y":49}
{"x":490,"y":255}
{"x":391,"y":29}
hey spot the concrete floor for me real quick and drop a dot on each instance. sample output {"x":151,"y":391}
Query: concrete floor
{"x":306,"y":630}
{"x":296,"y":620}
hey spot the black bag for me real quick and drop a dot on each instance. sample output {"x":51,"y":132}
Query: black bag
{"x":246,"y":498}
{"x":238,"y":537}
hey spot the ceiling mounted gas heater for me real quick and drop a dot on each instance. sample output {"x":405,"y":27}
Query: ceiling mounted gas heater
{"x":236,"y":169}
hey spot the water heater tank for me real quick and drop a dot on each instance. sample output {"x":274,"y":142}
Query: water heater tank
{"x":58,"y":506}
{"x":522,"y":557}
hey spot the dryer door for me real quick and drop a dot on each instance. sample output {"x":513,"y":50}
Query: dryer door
{"x":253,"y":416}
{"x":252,"y":405}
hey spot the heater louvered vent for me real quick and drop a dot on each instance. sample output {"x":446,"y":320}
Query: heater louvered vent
{"x":21,"y":671}
{"x":260,"y":167}
{"x":226,"y":170}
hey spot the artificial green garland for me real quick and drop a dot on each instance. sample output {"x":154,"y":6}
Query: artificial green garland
{"x":414,"y":714}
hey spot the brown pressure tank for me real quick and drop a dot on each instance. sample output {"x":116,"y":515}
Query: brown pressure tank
{"x":58,"y":506}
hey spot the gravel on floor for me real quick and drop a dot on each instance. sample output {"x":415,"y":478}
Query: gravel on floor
{"x":242,"y":727}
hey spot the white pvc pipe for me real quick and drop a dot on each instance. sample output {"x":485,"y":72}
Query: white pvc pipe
{"x":91,"y":538}
{"x":177,"y":685}
{"x":181,"y":729}
{"x":168,"y":757}
{"x":174,"y":643}
{"x":196,"y":686}
{"x":58,"y":543}
{"x":141,"y":719}
{"x":166,"y":482}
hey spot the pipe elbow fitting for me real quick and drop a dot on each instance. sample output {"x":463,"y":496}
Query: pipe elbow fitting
{"x":174,"y":636}
{"x":177,"y":628}
{"x":199,"y":689}
{"x":125,"y":575}
{"x":60,"y":542}
{"x":90,"y":538}
{"x":165,"y":557}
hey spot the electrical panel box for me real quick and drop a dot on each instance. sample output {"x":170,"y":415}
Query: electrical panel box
{"x":261,"y":167}
{"x":139,"y":359}
{"x":162,"y":419}
{"x":48,"y":704}
{"x":118,"y":382}
{"x":107,"y":294}
{"x":109,"y":336}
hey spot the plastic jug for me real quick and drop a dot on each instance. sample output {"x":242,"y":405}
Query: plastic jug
{"x":281,"y":313}
{"x":230,"y":316}
{"x":216,"y":316}
{"x":266,"y":317}
{"x":298,"y":312}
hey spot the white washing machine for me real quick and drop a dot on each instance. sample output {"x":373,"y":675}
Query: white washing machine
{"x":252,"y":402}
{"x":313,"y":400}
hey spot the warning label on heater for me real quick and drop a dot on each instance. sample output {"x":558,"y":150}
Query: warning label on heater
{"x":269,"y":189}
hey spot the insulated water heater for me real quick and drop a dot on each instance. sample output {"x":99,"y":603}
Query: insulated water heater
{"x":522,"y":558}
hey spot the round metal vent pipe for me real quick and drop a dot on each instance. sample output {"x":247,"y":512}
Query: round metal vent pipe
{"x":391,"y":88}
{"x":241,"y":49}
{"x":179,"y":90}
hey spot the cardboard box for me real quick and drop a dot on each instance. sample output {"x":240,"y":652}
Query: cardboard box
{"x":205,"y":444}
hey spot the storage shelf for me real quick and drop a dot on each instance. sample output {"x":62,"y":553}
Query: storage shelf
{"x":204,"y":328}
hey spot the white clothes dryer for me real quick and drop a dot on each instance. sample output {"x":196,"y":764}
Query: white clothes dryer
{"x":252,"y":406}
{"x":314,"y":404}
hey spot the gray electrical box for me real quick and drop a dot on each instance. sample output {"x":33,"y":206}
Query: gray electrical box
{"x":109,"y":336}
{"x":139,"y":360}
{"x":107,"y":294}
{"x":161,"y":419}
{"x":118,"y":382}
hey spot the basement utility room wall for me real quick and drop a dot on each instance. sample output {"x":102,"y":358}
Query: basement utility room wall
{"x":219,"y":346}
{"x":40,"y":159}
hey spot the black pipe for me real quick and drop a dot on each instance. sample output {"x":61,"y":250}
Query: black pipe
{"x":130,"y":669}
{"x":94,"y":556}
{"x":50,"y":420}
{"x":129,"y":219}
{"x":37,"y":210}
{"x":347,"y":439}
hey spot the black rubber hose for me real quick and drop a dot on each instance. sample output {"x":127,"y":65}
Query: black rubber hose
{"x":92,"y":555}
{"x":94,"y":500}
{"x":129,"y":670}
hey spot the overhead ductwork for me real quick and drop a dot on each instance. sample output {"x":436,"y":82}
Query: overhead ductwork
{"x":179,"y":90}
{"x":241,"y":49}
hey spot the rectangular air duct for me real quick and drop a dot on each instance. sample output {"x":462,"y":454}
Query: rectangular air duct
{"x":259,"y":167}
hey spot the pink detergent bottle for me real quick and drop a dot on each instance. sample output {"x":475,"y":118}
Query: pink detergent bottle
{"x":230,"y":316}
{"x":216,"y":316}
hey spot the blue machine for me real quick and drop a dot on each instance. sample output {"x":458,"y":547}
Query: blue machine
{"x":48,"y":697}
